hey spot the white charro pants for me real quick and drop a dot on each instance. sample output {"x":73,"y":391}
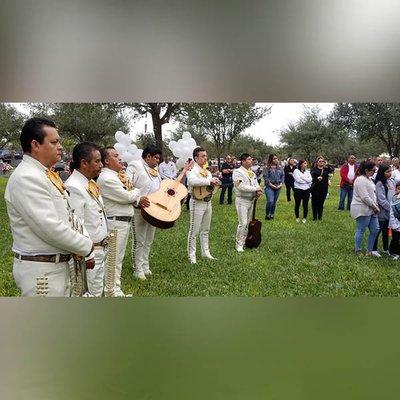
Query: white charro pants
{"x":200,"y":221}
{"x":143,"y":236}
{"x":123,"y":228}
{"x":42,"y":278}
{"x":95,"y":276}
{"x":244,"y":208}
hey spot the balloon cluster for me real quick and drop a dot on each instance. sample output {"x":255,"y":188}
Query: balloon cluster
{"x":183,"y":148}
{"x":126,"y":149}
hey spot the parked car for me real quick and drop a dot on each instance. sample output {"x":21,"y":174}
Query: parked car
{"x":6,"y":155}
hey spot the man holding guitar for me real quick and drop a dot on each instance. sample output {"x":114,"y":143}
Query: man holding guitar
{"x":199,"y":182}
{"x":247,"y":190}
{"x":144,"y":176}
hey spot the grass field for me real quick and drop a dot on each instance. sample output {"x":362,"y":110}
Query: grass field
{"x":312,"y":259}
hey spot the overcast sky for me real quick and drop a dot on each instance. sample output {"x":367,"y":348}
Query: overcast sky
{"x":266,"y":129}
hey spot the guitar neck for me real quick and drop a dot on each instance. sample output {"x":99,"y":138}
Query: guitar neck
{"x":254,"y":208}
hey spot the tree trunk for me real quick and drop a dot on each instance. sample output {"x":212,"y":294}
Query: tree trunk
{"x":157,"y":126}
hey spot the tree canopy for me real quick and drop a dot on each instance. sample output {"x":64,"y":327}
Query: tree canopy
{"x":11,"y":122}
{"x":368,"y":121}
{"x":221,"y":123}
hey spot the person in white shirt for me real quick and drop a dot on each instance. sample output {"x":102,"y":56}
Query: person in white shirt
{"x":119,"y":196}
{"x":302,"y":185}
{"x":145,"y":177}
{"x":246,"y":190}
{"x":88,"y":205}
{"x":40,"y":216}
{"x":200,"y":209}
{"x":395,"y":170}
{"x":167,"y":169}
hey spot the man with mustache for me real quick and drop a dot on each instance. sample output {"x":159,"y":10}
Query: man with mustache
{"x":88,"y":205}
{"x":40,"y":216}
{"x":119,"y":196}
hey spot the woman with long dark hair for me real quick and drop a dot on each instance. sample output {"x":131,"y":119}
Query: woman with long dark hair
{"x":364,"y":207}
{"x":384,"y":194}
{"x":289,"y":181}
{"x":273,"y":177}
{"x":302,"y":184}
{"x":319,"y":187}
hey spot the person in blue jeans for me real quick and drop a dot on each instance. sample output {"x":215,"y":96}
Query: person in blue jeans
{"x":364,"y":208}
{"x":348,"y":173}
{"x":273,"y":177}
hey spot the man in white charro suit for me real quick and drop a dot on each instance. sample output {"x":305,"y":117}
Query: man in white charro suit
{"x":246,"y":190}
{"x":145,"y":177}
{"x":200,"y":209}
{"x":119,"y":196}
{"x":88,"y":206}
{"x":40,"y":216}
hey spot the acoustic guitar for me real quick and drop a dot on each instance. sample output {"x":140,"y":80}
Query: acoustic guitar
{"x":165,"y":204}
{"x":201,"y":192}
{"x":253,"y":238}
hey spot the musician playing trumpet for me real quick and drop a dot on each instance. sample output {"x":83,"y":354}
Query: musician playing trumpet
{"x":200,"y":208}
{"x":246,"y":189}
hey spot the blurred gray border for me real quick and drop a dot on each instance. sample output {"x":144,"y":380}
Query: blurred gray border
{"x":287,"y":50}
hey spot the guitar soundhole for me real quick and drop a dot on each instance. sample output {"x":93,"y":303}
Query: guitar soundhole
{"x":171,"y":192}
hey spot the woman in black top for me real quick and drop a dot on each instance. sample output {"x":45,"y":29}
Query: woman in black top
{"x":319,"y":187}
{"x":289,"y":181}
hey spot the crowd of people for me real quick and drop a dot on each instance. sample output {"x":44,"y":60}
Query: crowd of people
{"x":70,"y":221}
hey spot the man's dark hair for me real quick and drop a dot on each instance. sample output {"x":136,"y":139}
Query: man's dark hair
{"x":244,"y":156}
{"x":196,"y":151}
{"x":33,"y":130}
{"x":152,"y":150}
{"x":104,"y":153}
{"x":83,"y":151}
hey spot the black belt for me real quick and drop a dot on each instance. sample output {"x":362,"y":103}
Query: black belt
{"x":121,"y":218}
{"x":52,"y":258}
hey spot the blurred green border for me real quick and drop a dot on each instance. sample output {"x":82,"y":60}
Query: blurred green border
{"x":199,"y":348}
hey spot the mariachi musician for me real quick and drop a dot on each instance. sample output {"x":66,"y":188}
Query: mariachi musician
{"x":119,"y":196}
{"x":200,"y":208}
{"x":247,"y":190}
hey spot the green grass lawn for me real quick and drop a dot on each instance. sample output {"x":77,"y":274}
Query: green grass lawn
{"x":312,"y":259}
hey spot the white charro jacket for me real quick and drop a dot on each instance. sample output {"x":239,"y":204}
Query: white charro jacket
{"x":39,"y":213}
{"x":90,"y":211}
{"x":138,"y":173}
{"x":118,"y":201}
{"x":245,"y":183}
{"x":195,"y":177}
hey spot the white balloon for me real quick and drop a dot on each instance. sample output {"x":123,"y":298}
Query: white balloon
{"x":179,"y":151}
{"x":127,"y":157}
{"x":192,"y":143}
{"x":118,"y":136}
{"x":186,"y":135}
{"x":138,"y":154}
{"x":181,"y":142}
{"x":126,"y":140}
{"x":132,"y":148}
{"x":180,"y":162}
{"x":172,"y":144}
{"x":120,"y":148}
